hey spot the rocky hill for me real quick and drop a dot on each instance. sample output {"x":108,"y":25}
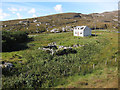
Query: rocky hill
{"x":63,"y":22}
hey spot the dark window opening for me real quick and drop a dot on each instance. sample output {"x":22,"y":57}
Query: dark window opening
{"x":82,"y":27}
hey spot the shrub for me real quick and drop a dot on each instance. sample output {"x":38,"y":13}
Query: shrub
{"x":65,"y":51}
{"x":10,"y":39}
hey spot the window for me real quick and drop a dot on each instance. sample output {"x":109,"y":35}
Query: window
{"x":82,"y":27}
{"x":75,"y":32}
{"x":80,"y":32}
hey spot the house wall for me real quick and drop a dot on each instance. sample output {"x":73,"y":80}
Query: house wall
{"x":87,"y":31}
{"x":78,"y":32}
{"x":82,"y":33}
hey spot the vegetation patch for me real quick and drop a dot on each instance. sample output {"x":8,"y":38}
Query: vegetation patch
{"x":42,"y":69}
{"x":12,"y":41}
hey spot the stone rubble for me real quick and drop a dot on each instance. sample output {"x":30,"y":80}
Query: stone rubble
{"x":53,"y":47}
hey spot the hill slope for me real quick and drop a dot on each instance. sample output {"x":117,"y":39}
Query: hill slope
{"x":46,"y":23}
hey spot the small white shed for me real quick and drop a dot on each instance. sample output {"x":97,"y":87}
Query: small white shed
{"x":82,"y":31}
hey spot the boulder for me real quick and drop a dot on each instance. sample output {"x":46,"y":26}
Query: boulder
{"x":1,"y":65}
{"x":60,"y":47}
{"x":39,"y":48}
{"x":8,"y":65}
{"x":75,"y":45}
{"x":80,"y":45}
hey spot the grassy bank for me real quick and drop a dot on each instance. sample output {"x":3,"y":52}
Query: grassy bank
{"x":35,"y":68}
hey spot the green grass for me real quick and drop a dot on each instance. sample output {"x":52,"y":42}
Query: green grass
{"x":40,"y":69}
{"x":93,"y":80}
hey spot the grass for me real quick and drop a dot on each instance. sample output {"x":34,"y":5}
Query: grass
{"x":98,"y":79}
{"x":12,"y":57}
{"x":40,"y":69}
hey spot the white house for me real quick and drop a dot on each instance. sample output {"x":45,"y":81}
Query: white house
{"x":82,"y":31}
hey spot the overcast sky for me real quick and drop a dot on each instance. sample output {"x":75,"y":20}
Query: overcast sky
{"x":20,"y":10}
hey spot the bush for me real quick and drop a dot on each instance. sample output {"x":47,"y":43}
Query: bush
{"x":65,"y":51}
{"x":10,"y":39}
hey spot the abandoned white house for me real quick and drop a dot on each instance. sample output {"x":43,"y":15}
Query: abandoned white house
{"x":82,"y":31}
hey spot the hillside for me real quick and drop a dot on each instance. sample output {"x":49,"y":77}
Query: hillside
{"x":105,"y":20}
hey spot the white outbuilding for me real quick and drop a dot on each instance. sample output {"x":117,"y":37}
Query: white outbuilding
{"x":82,"y":31}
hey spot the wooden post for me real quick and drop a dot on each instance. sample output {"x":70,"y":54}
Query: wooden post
{"x":64,"y":72}
{"x":93,"y":66}
{"x":95,"y":29}
{"x":115,"y":59}
{"x":79,"y":68}
{"x":95,"y":26}
{"x":106,"y":63}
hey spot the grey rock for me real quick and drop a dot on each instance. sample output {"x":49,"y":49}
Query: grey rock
{"x":1,"y":65}
{"x":60,"y":47}
{"x":75,"y":45}
{"x":8,"y":65}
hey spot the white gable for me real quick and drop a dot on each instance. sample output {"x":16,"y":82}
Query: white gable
{"x":82,"y":31}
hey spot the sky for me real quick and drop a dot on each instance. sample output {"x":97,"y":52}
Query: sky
{"x":21,"y":10}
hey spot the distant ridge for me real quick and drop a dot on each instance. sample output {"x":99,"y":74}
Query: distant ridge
{"x":102,"y":20}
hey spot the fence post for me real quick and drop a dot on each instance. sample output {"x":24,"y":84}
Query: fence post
{"x":79,"y":68}
{"x":64,"y":72}
{"x":115,"y":59}
{"x":93,"y":66}
{"x":106,"y":63}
